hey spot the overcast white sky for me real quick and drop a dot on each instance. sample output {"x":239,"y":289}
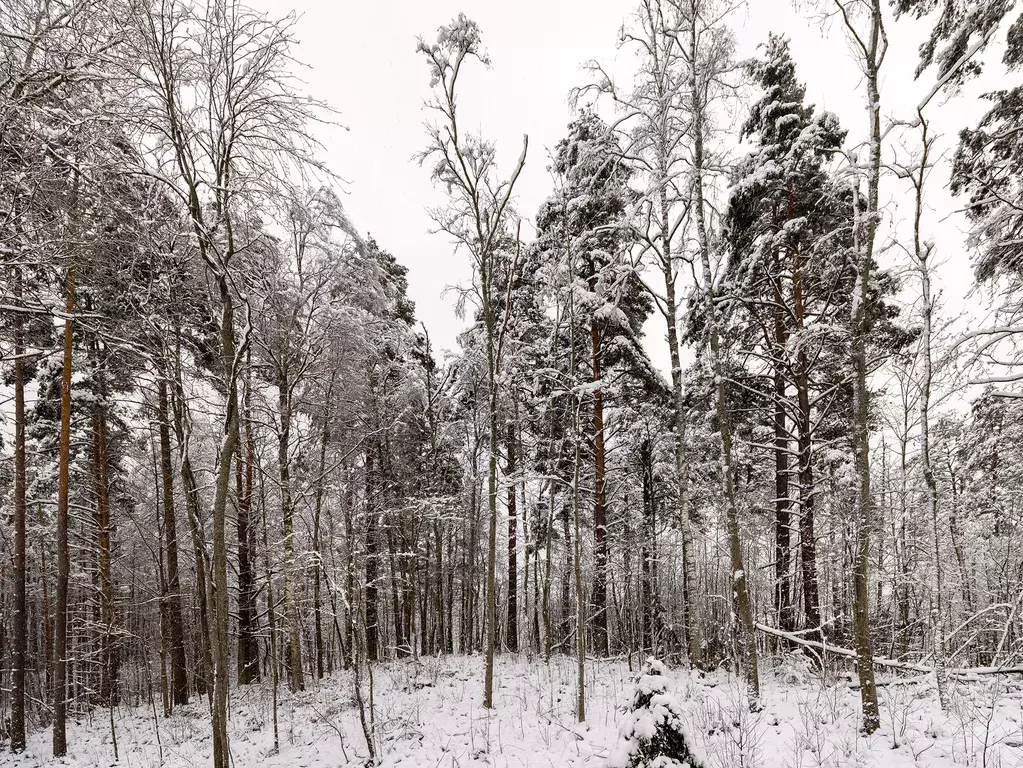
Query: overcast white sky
{"x":361,"y":58}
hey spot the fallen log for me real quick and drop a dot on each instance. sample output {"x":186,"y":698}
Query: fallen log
{"x":883,"y":662}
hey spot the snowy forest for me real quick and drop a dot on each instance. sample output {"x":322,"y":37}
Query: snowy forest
{"x":719,"y":473}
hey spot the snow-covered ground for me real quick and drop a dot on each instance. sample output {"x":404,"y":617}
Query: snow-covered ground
{"x":429,"y":714}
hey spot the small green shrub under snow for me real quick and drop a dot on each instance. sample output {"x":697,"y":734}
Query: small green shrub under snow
{"x":653,"y":735}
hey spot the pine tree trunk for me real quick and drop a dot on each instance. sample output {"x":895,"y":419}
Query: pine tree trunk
{"x":537,"y":601}
{"x":175,"y":623}
{"x":491,"y":607}
{"x":548,"y":623}
{"x":317,"y":510}
{"x":807,"y":495}
{"x":47,"y":616}
{"x":19,"y":650}
{"x":397,"y":612}
{"x":449,"y":620}
{"x":248,"y":646}
{"x":647,"y":554}
{"x":576,"y":433}
{"x":600,"y":554}
{"x":439,"y":602}
{"x":101,"y":485}
{"x":512,"y":632}
{"x":580,"y":602}
{"x":782,"y":504}
{"x":372,"y":563}
{"x":567,"y":598}
{"x":60,"y":643}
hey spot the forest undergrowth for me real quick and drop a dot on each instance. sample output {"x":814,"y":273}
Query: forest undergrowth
{"x":427,"y":713}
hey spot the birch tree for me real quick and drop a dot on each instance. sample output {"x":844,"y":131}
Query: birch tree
{"x":477,"y":218}
{"x":214,"y":95}
{"x":653,"y":117}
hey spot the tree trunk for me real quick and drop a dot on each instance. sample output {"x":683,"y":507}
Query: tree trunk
{"x":248,"y":646}
{"x":60,"y":644}
{"x":782,"y":504}
{"x":548,"y":623}
{"x":19,"y":650}
{"x":217,"y":587}
{"x":958,"y":545}
{"x":271,"y":611}
{"x":101,"y":486}
{"x":491,"y":629}
{"x":576,"y":432}
{"x":600,"y":554}
{"x":287,"y":514}
{"x":740,"y":583}
{"x":690,"y":623}
{"x":858,"y":350}
{"x":923,"y":253}
{"x":443,"y":628}
{"x":647,"y":554}
{"x":372,"y":563}
{"x":580,"y":602}
{"x":512,"y":632}
{"x":317,"y":620}
{"x":566,"y":575}
{"x":175,"y":628}
{"x":47,"y":617}
{"x":182,"y":430}
{"x":807,"y":495}
{"x":397,"y":613}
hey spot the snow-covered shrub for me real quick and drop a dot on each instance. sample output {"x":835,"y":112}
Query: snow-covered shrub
{"x":653,"y":735}
{"x":794,"y":668}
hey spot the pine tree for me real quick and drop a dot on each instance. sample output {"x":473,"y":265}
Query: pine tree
{"x":785,"y":219}
{"x":654,"y":734}
{"x":585,"y":223}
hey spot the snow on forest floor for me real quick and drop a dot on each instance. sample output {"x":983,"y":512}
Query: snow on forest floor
{"x":429,"y":713}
